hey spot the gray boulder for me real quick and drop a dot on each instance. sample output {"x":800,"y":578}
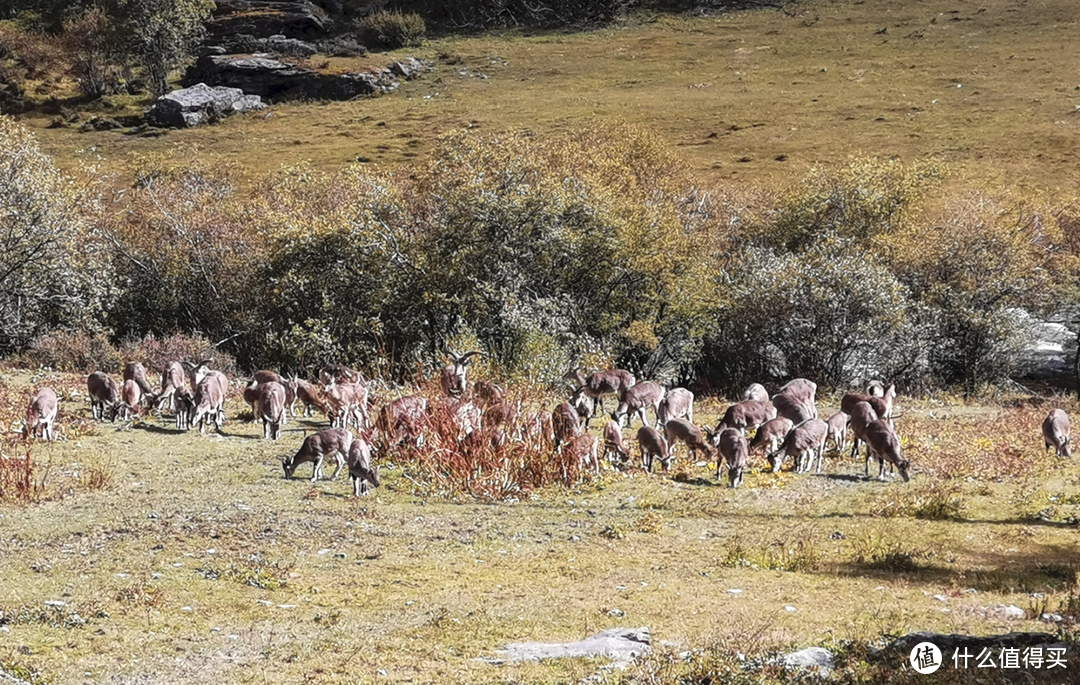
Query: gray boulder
{"x":200,"y":104}
{"x":816,"y":659}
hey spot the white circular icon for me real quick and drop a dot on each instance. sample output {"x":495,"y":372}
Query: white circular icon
{"x":926,"y":657}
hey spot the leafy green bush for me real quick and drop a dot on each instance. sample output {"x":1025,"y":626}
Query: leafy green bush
{"x":392,"y":30}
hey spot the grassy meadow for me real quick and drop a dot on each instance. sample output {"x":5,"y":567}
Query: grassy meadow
{"x":189,"y":558}
{"x":756,"y":96}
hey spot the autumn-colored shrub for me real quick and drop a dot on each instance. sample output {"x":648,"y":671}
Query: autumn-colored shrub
{"x":556,"y":246}
{"x":188,"y":255}
{"x":78,"y":351}
{"x":54,"y":274}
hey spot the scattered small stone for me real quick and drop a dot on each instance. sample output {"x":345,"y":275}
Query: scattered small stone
{"x":324,"y":551}
{"x":734,"y":591}
{"x":185,"y":609}
{"x":1052,"y":618}
{"x":1010,"y":611}
{"x":616,"y":613}
{"x":789,"y":608}
{"x":55,"y":603}
{"x":340,"y":555}
{"x":211,"y":551}
{"x":941,"y":598}
{"x":286,"y":606}
{"x":266,"y":602}
{"x":971,"y":591}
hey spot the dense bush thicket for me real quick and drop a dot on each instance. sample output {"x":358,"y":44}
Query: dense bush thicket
{"x":592,"y":248}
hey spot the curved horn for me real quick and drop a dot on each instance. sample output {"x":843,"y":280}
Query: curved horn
{"x":464,"y":359}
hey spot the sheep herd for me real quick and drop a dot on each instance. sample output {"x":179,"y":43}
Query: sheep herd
{"x":784,"y":424}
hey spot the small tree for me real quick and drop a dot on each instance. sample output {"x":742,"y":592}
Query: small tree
{"x":161,"y":35}
{"x":89,"y":40}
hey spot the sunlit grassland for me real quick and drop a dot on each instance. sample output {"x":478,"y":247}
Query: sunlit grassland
{"x":197,"y":560}
{"x":756,"y":96}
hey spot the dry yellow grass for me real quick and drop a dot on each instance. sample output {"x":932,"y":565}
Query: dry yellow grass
{"x":988,"y":86}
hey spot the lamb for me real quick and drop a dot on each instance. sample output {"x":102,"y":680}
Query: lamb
{"x":884,"y":443}
{"x":805,"y":442}
{"x":584,"y":449}
{"x":862,"y":415}
{"x":565,"y":423}
{"x":1057,"y":433}
{"x":837,"y":423}
{"x":41,"y":414}
{"x":757,"y":392}
{"x":584,"y":405}
{"x":271,"y":408}
{"x":770,"y":435}
{"x":681,"y":430}
{"x":596,"y":385}
{"x":131,"y":398}
{"x":210,"y":400}
{"x":613,"y":442}
{"x":103,"y":394}
{"x":135,"y":371}
{"x":360,"y":471}
{"x":171,"y":381}
{"x":308,"y":394}
{"x":653,"y":446}
{"x":746,"y":415}
{"x":883,"y":405}
{"x":733,"y":450}
{"x":315,"y":448}
{"x":636,"y":399}
{"x":402,"y":420}
{"x":793,"y":408}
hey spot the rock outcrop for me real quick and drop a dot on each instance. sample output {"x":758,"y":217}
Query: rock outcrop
{"x":277,"y":80}
{"x":200,"y":104}
{"x":264,"y":18}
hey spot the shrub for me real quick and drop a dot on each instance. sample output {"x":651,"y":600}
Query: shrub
{"x":78,"y":351}
{"x":188,"y":254}
{"x":863,"y":200}
{"x":89,"y":41}
{"x":54,"y":273}
{"x":970,"y":267}
{"x":549,"y":249}
{"x":392,"y":30}
{"x":832,"y":313}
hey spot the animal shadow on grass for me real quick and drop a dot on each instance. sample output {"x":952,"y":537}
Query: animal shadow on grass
{"x":685,"y":479}
{"x":847,"y":477}
{"x":154,"y":428}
